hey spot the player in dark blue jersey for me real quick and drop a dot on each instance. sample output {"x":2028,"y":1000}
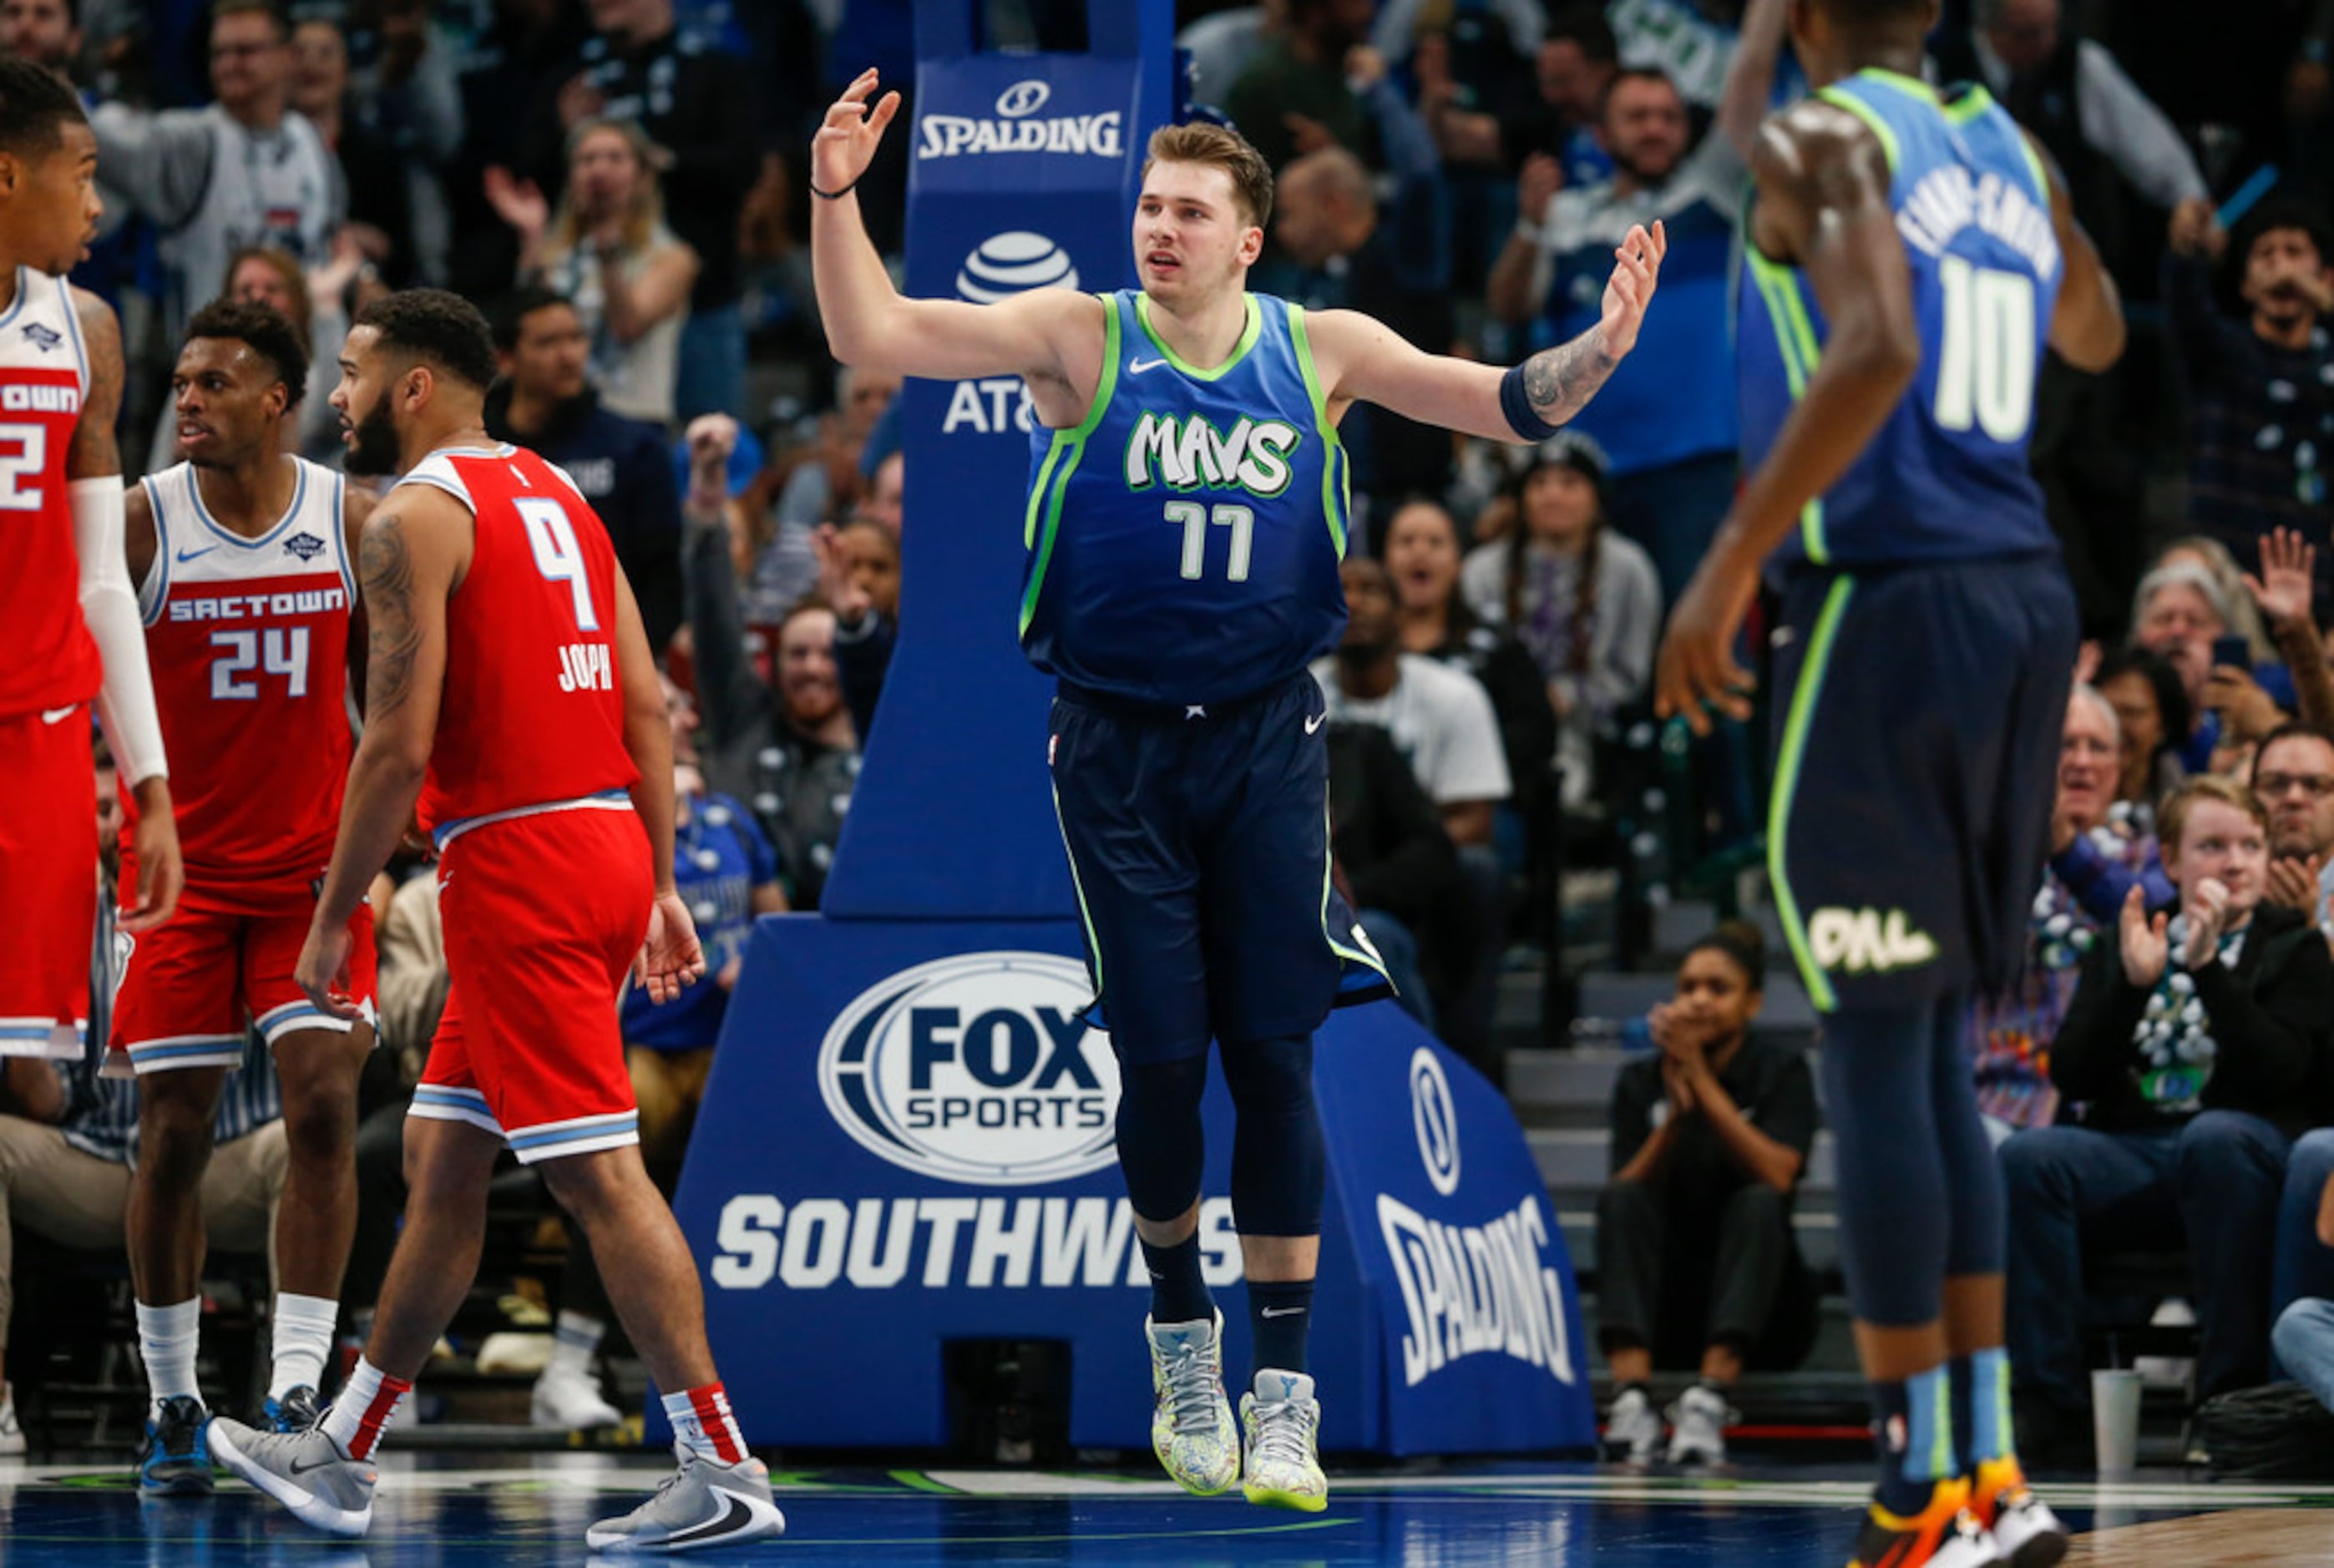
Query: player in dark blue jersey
{"x":1187,"y":513}
{"x":1910,"y":253}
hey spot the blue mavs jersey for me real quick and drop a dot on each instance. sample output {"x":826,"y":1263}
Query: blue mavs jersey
{"x":1946,"y":479}
{"x":1184,"y":538}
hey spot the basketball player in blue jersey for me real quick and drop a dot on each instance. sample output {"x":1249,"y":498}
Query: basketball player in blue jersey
{"x":1910,"y":255}
{"x":1187,"y":513}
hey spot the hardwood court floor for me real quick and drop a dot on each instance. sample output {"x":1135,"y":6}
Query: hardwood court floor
{"x":530,"y":1512}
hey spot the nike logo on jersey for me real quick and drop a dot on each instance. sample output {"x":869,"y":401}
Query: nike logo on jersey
{"x":187,"y":555}
{"x":1282,"y":1312}
{"x":58,"y":715}
{"x":1314,"y":724}
{"x":1136,"y":367}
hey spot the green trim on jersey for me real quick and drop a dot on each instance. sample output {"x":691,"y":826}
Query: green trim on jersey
{"x":1795,"y":336}
{"x":1804,"y":697}
{"x":1871,"y":116}
{"x":1062,"y":461}
{"x":1364,"y":955}
{"x":1248,"y":335}
{"x":1078,"y":886}
{"x":1336,"y":479}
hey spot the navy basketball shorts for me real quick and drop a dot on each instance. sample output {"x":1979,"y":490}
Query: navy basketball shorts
{"x":1199,"y":844}
{"x":1918,"y":714}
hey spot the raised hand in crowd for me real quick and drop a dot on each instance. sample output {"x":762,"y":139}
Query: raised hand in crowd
{"x":2284,"y":591}
{"x":710,"y":438}
{"x":2293,"y":882}
{"x":2207,"y":908}
{"x":1536,"y":186}
{"x":2142,"y":944}
{"x":2195,"y":231}
{"x":837,"y":582}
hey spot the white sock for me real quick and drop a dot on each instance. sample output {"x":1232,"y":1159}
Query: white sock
{"x":166,"y":1336}
{"x":364,"y":1409}
{"x":572,"y":1342}
{"x":302,"y":1336}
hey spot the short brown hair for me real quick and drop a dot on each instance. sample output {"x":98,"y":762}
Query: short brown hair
{"x":2172,"y":820}
{"x":1222,"y":147}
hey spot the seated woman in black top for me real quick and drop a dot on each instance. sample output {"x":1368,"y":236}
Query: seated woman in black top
{"x":1695,"y":1252}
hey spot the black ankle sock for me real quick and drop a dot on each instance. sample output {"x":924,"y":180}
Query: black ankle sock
{"x":1279,"y":1316}
{"x":1178,"y":1293}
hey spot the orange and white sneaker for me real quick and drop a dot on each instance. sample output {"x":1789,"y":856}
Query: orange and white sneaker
{"x":2025,"y":1532}
{"x":1944,"y":1535}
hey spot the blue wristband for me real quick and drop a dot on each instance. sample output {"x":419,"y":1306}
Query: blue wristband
{"x":1515,"y":404}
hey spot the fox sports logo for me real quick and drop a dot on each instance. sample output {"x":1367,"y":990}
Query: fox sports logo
{"x":1014,"y":263}
{"x":976,"y":1069}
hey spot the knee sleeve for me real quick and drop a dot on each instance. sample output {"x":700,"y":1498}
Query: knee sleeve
{"x":1878,"y":1094}
{"x":1277,"y":1165}
{"x":1161,"y":1143}
{"x":1976,"y":1242}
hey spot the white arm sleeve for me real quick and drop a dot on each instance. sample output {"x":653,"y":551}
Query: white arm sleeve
{"x":125,"y":705}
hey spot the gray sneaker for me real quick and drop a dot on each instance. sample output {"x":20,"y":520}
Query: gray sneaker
{"x":304,"y":1471}
{"x":705,"y":1502}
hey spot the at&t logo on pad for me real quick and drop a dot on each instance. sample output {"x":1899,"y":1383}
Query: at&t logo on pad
{"x":976,"y":1069}
{"x":1014,"y":263}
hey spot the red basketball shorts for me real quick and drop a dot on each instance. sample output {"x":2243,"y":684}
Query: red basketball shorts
{"x":48,"y":880}
{"x":191,"y":987}
{"x":544,"y":915}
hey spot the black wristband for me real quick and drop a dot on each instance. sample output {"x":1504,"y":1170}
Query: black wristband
{"x":834,"y":194}
{"x":1515,"y":402}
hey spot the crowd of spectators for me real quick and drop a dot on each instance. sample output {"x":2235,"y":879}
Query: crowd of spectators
{"x":623,"y":181}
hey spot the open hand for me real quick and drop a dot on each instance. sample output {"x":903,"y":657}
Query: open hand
{"x":1696,"y":672}
{"x":846,"y":142}
{"x":519,"y":203}
{"x":2207,"y":908}
{"x":1537,"y":186}
{"x":161,"y":869}
{"x":671,"y":960}
{"x":2144,"y":945}
{"x":2289,"y":566}
{"x":1636,"y":269}
{"x":2293,"y":882}
{"x":322,"y":972}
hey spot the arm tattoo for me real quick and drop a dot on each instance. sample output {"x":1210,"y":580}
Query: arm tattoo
{"x":1561,"y":380}
{"x":386,"y":569}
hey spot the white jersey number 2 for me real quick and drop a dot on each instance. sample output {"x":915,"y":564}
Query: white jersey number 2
{"x":1985,"y":373}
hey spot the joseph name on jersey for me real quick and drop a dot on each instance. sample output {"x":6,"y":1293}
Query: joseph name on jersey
{"x":532,"y":716}
{"x":249,"y":640}
{"x":48,"y":661}
{"x":1184,"y":537}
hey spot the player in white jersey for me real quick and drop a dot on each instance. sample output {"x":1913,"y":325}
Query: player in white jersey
{"x":244,"y":555}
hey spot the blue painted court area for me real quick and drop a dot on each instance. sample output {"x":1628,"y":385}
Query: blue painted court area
{"x":532,"y":1512}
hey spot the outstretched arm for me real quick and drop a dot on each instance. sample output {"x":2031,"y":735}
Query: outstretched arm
{"x":869,"y":323}
{"x":1823,"y":205}
{"x":1363,"y":361}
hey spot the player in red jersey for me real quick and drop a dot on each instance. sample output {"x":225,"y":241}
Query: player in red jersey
{"x":245,"y":557}
{"x":512,"y":692}
{"x":68,"y":617}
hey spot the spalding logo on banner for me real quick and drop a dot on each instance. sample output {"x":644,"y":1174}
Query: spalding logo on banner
{"x":976,"y":1069}
{"x":1014,"y":263}
{"x":1013,"y":129}
{"x":1435,"y":1120}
